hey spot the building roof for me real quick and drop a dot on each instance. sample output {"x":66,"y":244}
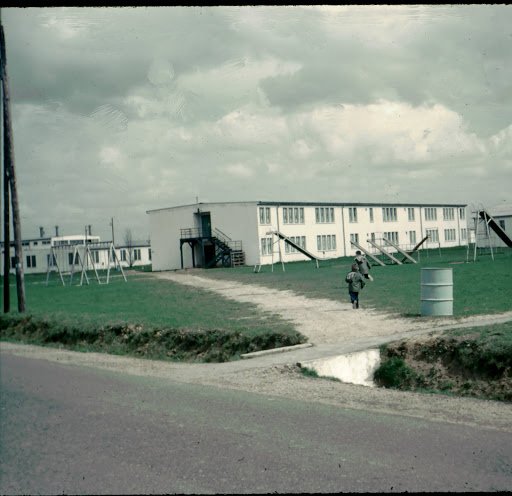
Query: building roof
{"x":501,"y":210}
{"x":315,"y":204}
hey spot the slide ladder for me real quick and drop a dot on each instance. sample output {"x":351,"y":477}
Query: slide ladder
{"x":384,"y":252}
{"x":367,"y":253}
{"x":399,"y":250}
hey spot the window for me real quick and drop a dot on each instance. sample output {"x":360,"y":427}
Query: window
{"x":463,"y":234}
{"x":462,"y":213}
{"x":352,"y":214}
{"x":410,"y":214}
{"x":136,"y":254}
{"x":412,"y":237}
{"x":70,"y":259}
{"x":95,"y":256}
{"x":264,"y":215}
{"x":391,"y":236}
{"x":354,"y":237}
{"x":501,"y":222}
{"x":31,"y":261}
{"x":370,"y":213}
{"x":448,"y":213}
{"x":430,"y":213}
{"x":433,"y":235}
{"x":293,"y":215}
{"x":51,"y":261}
{"x":13,"y":262}
{"x":123,"y":255}
{"x":298,"y":240}
{"x":266,"y":246}
{"x":326,"y":242}
{"x":449,"y":234}
{"x":149,"y":254}
{"x":372,"y":237}
{"x":389,"y":214}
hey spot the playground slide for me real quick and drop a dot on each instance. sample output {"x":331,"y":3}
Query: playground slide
{"x":495,"y":227}
{"x":399,"y":250}
{"x":295,"y":245}
{"x":367,"y":253}
{"x":384,"y":252}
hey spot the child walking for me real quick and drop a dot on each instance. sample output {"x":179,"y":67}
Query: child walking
{"x":355,"y":284}
{"x":363,"y":264}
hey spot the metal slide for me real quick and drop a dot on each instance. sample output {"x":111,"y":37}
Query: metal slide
{"x":295,"y":245}
{"x":417,"y":246}
{"x":367,"y":253}
{"x":384,"y":252}
{"x":399,"y":250}
{"x":495,"y":227}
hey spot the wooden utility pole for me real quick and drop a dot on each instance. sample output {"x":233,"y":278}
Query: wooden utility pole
{"x":9,"y":165}
{"x":7,"y":235}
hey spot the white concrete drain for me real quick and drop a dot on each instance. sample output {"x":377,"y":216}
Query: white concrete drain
{"x":354,"y":368}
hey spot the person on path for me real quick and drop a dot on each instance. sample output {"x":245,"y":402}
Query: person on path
{"x":364,"y":265}
{"x":355,"y":284}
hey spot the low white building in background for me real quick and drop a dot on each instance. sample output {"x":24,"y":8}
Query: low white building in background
{"x":188,"y":236}
{"x":37,"y":253}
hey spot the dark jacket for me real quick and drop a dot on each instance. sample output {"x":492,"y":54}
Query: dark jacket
{"x":364,"y":265}
{"x":355,"y":281}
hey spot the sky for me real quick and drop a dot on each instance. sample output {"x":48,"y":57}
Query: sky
{"x":117,"y":111}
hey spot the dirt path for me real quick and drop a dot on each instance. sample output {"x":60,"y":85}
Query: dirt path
{"x":325,"y":321}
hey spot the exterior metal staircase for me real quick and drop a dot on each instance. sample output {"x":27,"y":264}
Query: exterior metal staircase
{"x":227,"y":252}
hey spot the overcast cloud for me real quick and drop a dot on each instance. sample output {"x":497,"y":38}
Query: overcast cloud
{"x":117,"y":111}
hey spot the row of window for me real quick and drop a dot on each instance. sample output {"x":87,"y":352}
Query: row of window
{"x":324,"y":242}
{"x":295,"y":215}
{"x":298,"y":240}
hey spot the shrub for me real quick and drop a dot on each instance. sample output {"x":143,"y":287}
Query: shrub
{"x":395,"y":373}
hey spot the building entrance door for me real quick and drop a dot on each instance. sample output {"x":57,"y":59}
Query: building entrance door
{"x":206,"y":225}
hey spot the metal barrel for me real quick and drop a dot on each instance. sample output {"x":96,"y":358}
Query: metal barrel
{"x":436,"y":291}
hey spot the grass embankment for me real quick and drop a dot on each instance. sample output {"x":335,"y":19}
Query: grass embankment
{"x":144,"y":317}
{"x":471,"y":362}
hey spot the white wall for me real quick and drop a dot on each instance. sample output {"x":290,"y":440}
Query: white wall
{"x":238,"y":221}
{"x":164,"y":228}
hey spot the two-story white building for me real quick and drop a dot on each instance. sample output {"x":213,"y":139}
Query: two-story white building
{"x":203,"y":234}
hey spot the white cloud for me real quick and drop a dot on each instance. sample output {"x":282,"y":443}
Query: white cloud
{"x":239,"y":170}
{"x":249,"y":127}
{"x":390,"y":131}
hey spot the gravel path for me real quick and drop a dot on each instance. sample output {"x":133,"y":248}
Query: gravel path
{"x":326,"y":321}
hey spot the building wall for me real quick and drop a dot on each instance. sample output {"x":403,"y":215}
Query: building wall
{"x":237,"y":221}
{"x":356,"y":221}
{"x":253,"y":223}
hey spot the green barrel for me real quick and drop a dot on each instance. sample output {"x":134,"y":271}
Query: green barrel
{"x":436,"y":292}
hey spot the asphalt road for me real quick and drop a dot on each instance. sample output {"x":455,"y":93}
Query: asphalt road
{"x":79,"y":430}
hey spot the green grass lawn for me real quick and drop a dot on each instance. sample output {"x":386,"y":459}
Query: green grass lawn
{"x":480,"y":287}
{"x":141,"y":300}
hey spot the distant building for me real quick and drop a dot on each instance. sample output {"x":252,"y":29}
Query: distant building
{"x":203,"y":234}
{"x":37,"y":253}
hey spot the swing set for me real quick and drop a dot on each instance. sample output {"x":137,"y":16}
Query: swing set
{"x":64,"y":259}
